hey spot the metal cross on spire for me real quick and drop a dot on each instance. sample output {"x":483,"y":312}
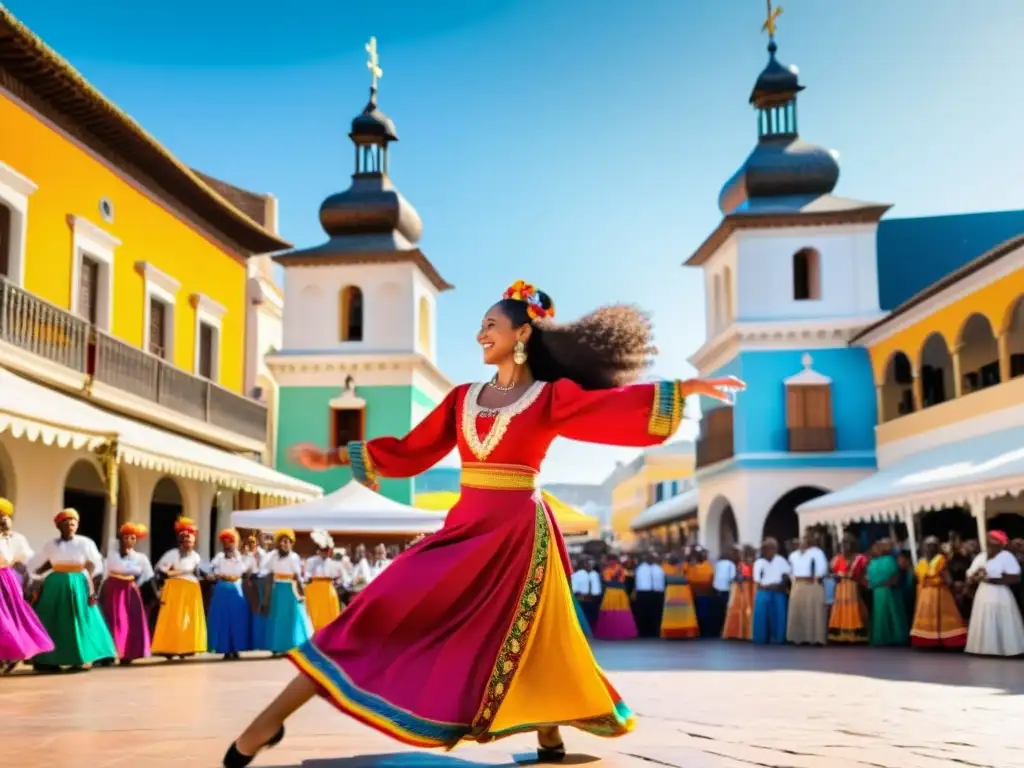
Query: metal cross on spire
{"x":770,"y":21}
{"x":373,"y":64}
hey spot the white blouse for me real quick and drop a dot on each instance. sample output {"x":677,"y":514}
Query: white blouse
{"x":326,"y":568}
{"x":378,"y":568}
{"x":14,"y":549}
{"x":133,"y":564}
{"x":810,"y":562}
{"x":361,"y":575}
{"x":283,"y":565}
{"x":769,"y":573}
{"x":1003,"y":564}
{"x":187,"y":565}
{"x":78,"y":550}
{"x":236,"y":566}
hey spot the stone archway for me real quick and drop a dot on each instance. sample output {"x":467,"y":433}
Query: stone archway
{"x":165,"y":507}
{"x":782,"y":522}
{"x":85,"y":491}
{"x":721,"y":527}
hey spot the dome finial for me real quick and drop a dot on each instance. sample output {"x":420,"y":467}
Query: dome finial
{"x":769,"y":24}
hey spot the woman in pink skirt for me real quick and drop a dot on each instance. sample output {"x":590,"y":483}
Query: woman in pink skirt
{"x":21,"y":634}
{"x":123,"y":606}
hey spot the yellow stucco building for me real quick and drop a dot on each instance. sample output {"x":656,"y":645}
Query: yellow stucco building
{"x":124,"y":282}
{"x":949,"y":378}
{"x":656,"y":474}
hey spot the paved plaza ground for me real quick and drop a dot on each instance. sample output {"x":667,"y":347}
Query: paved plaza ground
{"x":700,"y":704}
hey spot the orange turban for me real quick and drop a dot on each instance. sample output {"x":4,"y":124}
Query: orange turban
{"x":65,"y":514}
{"x":228,"y":534}
{"x":138,"y":530}
{"x":186,"y":525}
{"x":284,"y":533}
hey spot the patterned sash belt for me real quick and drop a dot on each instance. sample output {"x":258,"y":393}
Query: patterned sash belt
{"x":67,"y":567}
{"x":285,"y":577}
{"x":498,"y":477}
{"x":231,"y":579}
{"x":121,"y":576}
{"x":321,"y":578}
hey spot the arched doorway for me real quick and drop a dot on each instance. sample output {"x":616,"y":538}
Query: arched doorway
{"x":936,"y":371}
{"x":85,"y":491}
{"x":728,"y":531}
{"x":979,"y":354}
{"x":165,"y":508}
{"x":898,"y":389}
{"x":783,"y":523}
{"x":720,"y":524}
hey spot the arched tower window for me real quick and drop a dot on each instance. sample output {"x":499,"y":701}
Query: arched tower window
{"x":350,"y":314}
{"x":806,"y":274}
{"x":424,"y":325}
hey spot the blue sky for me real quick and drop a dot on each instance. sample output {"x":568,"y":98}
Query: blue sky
{"x":579,"y":144}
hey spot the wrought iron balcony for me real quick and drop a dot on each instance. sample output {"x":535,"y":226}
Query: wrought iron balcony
{"x":43,"y":329}
{"x":811,"y":439}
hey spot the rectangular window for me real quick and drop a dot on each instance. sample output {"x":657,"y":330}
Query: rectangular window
{"x":88,"y":289}
{"x":347,"y":424}
{"x":6,"y":240}
{"x":207,"y":349}
{"x":158,"y":328}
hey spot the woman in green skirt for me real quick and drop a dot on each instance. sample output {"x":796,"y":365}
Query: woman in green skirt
{"x":67,"y":605}
{"x":888,"y":609}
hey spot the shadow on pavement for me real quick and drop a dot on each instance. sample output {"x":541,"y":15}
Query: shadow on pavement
{"x":432,"y":760}
{"x":898,"y":664}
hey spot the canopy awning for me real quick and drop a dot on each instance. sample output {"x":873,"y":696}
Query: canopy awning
{"x":667,"y":511}
{"x":570,"y":520}
{"x":353,"y":508}
{"x":946,"y":476}
{"x":36,"y":413}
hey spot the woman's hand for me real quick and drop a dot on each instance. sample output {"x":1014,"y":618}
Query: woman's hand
{"x":721,"y":389}
{"x":309,"y":456}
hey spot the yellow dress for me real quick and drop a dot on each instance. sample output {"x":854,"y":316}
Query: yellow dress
{"x":181,"y":623}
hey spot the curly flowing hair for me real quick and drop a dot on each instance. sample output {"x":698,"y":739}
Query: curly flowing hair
{"x":609,"y":347}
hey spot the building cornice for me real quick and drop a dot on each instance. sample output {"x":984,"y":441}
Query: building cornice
{"x":326,"y":362}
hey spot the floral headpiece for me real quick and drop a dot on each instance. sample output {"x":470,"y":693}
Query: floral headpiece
{"x":138,"y":530}
{"x":228,"y":534}
{"x":521,"y":290}
{"x":284,"y":533}
{"x":186,"y":525}
{"x":6,"y":507}
{"x":65,"y":514}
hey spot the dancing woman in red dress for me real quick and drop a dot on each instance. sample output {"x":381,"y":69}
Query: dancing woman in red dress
{"x":471,"y":634}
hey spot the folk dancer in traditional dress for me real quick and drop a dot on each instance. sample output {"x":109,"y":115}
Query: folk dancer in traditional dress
{"x":254,"y":589}
{"x":701,"y":574}
{"x":937,"y":620}
{"x":649,"y":596}
{"x":21,"y":633}
{"x":739,"y":614}
{"x":121,"y":597}
{"x":181,"y":625}
{"x":808,"y":620}
{"x":615,"y":620}
{"x":888,"y":609}
{"x":67,"y":605}
{"x":848,"y":620}
{"x":679,"y":617}
{"x":500,"y":537}
{"x":771,"y":574}
{"x":996,"y":627}
{"x":324,"y":577}
{"x":229,"y":621}
{"x":288,"y":624}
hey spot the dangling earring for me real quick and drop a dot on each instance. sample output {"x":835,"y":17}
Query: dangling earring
{"x":519,"y":355}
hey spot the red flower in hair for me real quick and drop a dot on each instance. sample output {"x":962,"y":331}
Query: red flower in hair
{"x":523,"y":291}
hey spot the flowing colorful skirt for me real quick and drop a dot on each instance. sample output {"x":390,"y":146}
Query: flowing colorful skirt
{"x":615,"y":621}
{"x":288,"y":623}
{"x":229,"y":623}
{"x":848,"y":621}
{"x":322,"y":602}
{"x":739,"y":615}
{"x":996,"y":627}
{"x":581,"y":617}
{"x":807,"y":622}
{"x":181,"y":624}
{"x":480,"y":615}
{"x":937,"y":620}
{"x":80,"y":636}
{"x":126,"y":617}
{"x":21,"y":633}
{"x":679,"y":619}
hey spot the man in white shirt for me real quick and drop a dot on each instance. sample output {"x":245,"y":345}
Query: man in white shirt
{"x":361,"y":572}
{"x":649,"y":600}
{"x":592,"y":607}
{"x":725,"y":575}
{"x":380,"y":561}
{"x":808,"y":620}
{"x":771,"y":575}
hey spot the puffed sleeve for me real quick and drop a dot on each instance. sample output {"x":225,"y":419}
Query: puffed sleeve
{"x":168,"y":561}
{"x":92,"y":554}
{"x":428,"y":442}
{"x":22,"y":549}
{"x":145,"y":569}
{"x":639,"y":415}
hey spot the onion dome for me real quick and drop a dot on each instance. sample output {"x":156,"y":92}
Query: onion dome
{"x":781,"y":164}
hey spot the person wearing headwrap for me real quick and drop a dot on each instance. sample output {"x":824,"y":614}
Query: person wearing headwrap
{"x":254,"y":587}
{"x":21,"y":634}
{"x":230,"y":618}
{"x":181,"y":625}
{"x":996,"y":627}
{"x":324,"y":576}
{"x":288,"y":624}
{"x":67,"y":604}
{"x":120,"y":598}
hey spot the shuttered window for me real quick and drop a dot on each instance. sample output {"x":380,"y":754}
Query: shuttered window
{"x":88,"y":289}
{"x":207,"y":349}
{"x":6,"y":240}
{"x":158,"y":328}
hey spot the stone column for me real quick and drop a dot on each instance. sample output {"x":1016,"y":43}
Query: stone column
{"x":908,"y":519}
{"x":880,"y":401}
{"x":978,"y":509}
{"x":1003,"y":342}
{"x":918,"y":391}
{"x":958,"y":379}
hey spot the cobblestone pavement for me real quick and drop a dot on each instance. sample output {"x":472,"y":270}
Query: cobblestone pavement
{"x":700,"y":704}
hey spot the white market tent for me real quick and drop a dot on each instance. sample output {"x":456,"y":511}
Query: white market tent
{"x":666,"y":511}
{"x":353,"y":508}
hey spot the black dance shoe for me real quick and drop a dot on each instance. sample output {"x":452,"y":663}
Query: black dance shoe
{"x":551,"y":754}
{"x":235,"y":759}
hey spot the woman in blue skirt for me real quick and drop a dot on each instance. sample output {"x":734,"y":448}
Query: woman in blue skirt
{"x":230,"y":619}
{"x":288,"y":624}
